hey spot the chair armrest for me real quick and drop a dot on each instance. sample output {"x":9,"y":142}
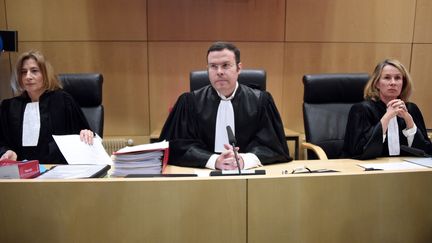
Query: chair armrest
{"x":316,"y":149}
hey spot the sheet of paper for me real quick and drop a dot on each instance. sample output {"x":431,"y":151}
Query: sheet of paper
{"x":202,"y":172}
{"x":72,"y":171}
{"x":392,"y":166}
{"x":427,"y":162}
{"x":77,"y":152}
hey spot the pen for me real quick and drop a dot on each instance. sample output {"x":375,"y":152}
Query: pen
{"x":371,"y":169}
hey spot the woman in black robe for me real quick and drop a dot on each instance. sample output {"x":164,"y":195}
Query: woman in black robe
{"x":385,"y":120}
{"x":40,"y":109}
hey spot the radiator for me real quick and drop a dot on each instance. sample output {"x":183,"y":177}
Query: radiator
{"x":113,"y":144}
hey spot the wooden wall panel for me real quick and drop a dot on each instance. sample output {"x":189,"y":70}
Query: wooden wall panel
{"x":307,"y":58}
{"x":2,"y":15}
{"x":169,"y":67}
{"x":350,"y":20}
{"x":421,"y":74}
{"x":5,"y":67}
{"x":423,"y":22}
{"x":125,"y":87}
{"x":5,"y":90}
{"x":288,"y":38}
{"x":52,"y":20}
{"x":210,"y":20}
{"x":171,"y":62}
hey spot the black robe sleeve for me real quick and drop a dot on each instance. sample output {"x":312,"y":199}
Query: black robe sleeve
{"x":363,"y":135}
{"x":267,"y":139}
{"x":190,"y":127}
{"x":421,"y":139}
{"x":181,"y":130}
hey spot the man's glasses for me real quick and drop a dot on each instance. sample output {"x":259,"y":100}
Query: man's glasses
{"x":225,"y":66}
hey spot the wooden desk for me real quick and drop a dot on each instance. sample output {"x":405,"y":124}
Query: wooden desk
{"x":347,"y":206}
{"x":123,"y":210}
{"x":351,"y":207}
{"x":290,"y":135}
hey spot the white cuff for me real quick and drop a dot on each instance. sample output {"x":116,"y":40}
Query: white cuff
{"x":409,"y":134}
{"x":250,"y":160}
{"x":211,"y":162}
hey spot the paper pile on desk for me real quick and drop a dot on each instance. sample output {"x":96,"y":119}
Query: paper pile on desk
{"x":140,"y":159}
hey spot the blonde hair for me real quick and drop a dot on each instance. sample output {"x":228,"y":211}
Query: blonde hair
{"x":50,"y":81}
{"x":371,"y":92}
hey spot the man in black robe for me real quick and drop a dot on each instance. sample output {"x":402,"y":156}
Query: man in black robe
{"x":196,"y":127}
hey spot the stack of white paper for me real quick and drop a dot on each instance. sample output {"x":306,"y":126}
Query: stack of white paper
{"x":140,"y":159}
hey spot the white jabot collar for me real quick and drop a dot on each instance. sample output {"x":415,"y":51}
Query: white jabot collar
{"x":224,"y":118}
{"x":393,"y":137}
{"x":31,"y":125}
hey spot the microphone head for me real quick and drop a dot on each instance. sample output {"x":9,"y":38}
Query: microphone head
{"x":231,"y":137}
{"x":414,"y":151}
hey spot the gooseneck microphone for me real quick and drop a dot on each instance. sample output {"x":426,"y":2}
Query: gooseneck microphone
{"x":232,"y":141}
{"x":414,"y":151}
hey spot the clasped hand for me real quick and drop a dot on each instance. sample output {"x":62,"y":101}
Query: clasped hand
{"x":398,"y":108}
{"x":227,"y":161}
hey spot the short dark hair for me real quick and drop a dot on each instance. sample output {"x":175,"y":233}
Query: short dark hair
{"x":220,"y":46}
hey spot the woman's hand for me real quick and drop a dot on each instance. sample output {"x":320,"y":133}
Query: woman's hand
{"x":9,"y":154}
{"x":87,"y":136}
{"x":398,"y":107}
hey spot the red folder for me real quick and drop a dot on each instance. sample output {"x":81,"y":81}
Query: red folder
{"x":10,"y":169}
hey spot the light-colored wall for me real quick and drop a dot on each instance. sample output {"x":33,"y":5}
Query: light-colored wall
{"x":146,"y":49}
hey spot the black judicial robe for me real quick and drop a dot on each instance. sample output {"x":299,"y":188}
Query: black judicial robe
{"x":59,"y":115}
{"x":190,"y":127}
{"x":364,"y":133}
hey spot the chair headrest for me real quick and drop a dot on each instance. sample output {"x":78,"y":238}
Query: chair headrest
{"x":254,"y":78}
{"x":334,"y":87}
{"x":86,"y":88}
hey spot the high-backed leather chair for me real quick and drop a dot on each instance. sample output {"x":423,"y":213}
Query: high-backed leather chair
{"x":326,"y":104}
{"x":255,"y":78}
{"x":86,"y":89}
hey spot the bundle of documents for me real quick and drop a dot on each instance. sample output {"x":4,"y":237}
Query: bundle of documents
{"x":140,"y":159}
{"x":10,"y":169}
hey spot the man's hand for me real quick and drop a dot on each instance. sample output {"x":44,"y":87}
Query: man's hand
{"x":9,"y":155}
{"x":227,"y":161}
